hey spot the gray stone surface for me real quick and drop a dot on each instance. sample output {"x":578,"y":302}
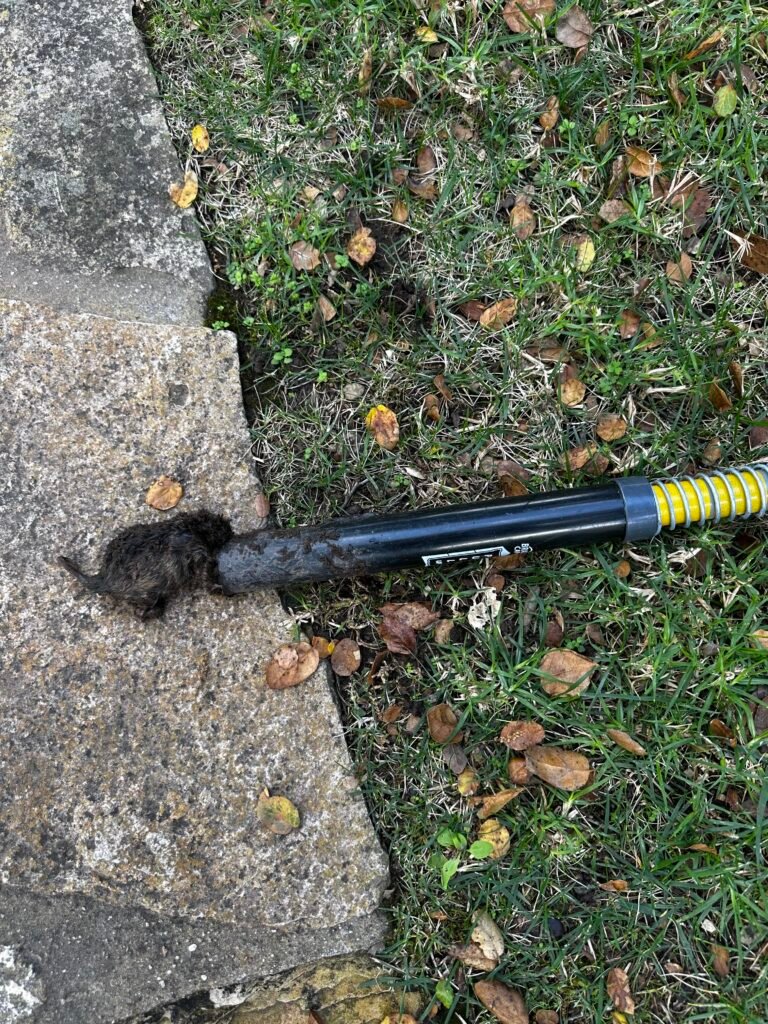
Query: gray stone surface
{"x":132,"y":755}
{"x":86,"y":223}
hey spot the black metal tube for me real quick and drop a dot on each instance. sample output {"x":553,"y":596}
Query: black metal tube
{"x":368,"y":544}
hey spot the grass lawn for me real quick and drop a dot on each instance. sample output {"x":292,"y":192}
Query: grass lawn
{"x":481,"y":160}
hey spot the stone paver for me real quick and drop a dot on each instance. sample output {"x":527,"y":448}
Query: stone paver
{"x":131,"y":755}
{"x":86,"y":223}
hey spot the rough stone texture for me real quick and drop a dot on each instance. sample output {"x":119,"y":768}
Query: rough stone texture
{"x":131,"y":755}
{"x":86,"y":223}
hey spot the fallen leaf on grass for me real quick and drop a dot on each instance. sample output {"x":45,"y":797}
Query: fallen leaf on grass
{"x":499,"y":314}
{"x":521,"y":735}
{"x":526,"y":15}
{"x":442,"y":722}
{"x":490,"y":805}
{"x":703,"y":848}
{"x":399,"y":212}
{"x":736,"y":373}
{"x":617,"y":986}
{"x":603,"y":133}
{"x":679,"y":271}
{"x":564,"y":769}
{"x":184,"y":195}
{"x":719,"y":398}
{"x":615,"y":885}
{"x":391,"y":714}
{"x":518,"y":771}
{"x":571,"y":673}
{"x":623,"y":569}
{"x":423,"y":184}
{"x":641,"y":163}
{"x":326,"y":309}
{"x":546,"y":1017}
{"x":277,"y":814}
{"x":304,"y":256}
{"x":364,"y":74}
{"x":431,"y":408}
{"x":549,"y":118}
{"x":722,"y":731}
{"x":200,"y":138}
{"x":504,"y":1003}
{"x":705,"y":45}
{"x":382,"y":423}
{"x":629,"y":322}
{"x":555,"y":631}
{"x":416,"y":614}
{"x":572,"y":392}
{"x":361,"y":247}
{"x":455,"y":758}
{"x":493,"y":832}
{"x":487,"y":935}
{"x":522,"y":219}
{"x":290,"y":665}
{"x":473,"y":957}
{"x":612,"y":209}
{"x":399,"y":637}
{"x":323,"y":647}
{"x":585,"y":254}
{"x":760,"y":636}
{"x":726,"y":101}
{"x":574,"y":29}
{"x":164,"y":493}
{"x":393,"y":103}
{"x":712,"y":453}
{"x":443,"y":629}
{"x":624,"y":740}
{"x":755,"y":254}
{"x":468,"y":782}
{"x":425,"y":34}
{"x":611,"y":427}
{"x":678,"y":96}
{"x":720,"y":961}
{"x":345,"y":658}
{"x":577,"y":458}
{"x":473,"y":310}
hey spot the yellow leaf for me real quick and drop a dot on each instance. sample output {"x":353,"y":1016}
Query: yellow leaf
{"x":382,"y":423}
{"x":585,"y":255}
{"x":493,"y":832}
{"x":184,"y":195}
{"x":200,"y":138}
{"x":361,"y":247}
{"x":425,"y":34}
{"x":277,"y":813}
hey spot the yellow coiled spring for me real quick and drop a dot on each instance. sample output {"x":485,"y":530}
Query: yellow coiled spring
{"x":711,"y":497}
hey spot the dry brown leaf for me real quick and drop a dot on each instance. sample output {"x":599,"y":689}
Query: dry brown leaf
{"x":304,"y":256}
{"x":382,"y":423}
{"x":422,"y":189}
{"x":164,"y":493}
{"x":719,"y":398}
{"x":290,"y":665}
{"x":521,"y":735}
{"x":603,"y":133}
{"x":511,"y":487}
{"x":527,"y":15}
{"x":564,"y":769}
{"x":455,"y":758}
{"x":364,"y":74}
{"x":472,"y":956}
{"x":393,"y":103}
{"x":184,"y":195}
{"x":399,"y":637}
{"x":571,"y":673}
{"x":572,"y":392}
{"x":629,"y":323}
{"x":443,"y":629}
{"x":201,"y":140}
{"x":641,"y":163}
{"x":758,"y":437}
{"x":442,"y":722}
{"x":493,"y":832}
{"x":712,"y":453}
{"x":574,"y":29}
{"x":391,"y":714}
{"x":277,"y":814}
{"x":611,"y":427}
{"x":615,"y":885}
{"x":326,"y":309}
{"x":720,"y":961}
{"x":555,"y":631}
{"x":679,"y":271}
{"x":624,"y":740}
{"x":504,"y":1003}
{"x":549,"y":118}
{"x":345,"y":658}
{"x":678,"y":96}
{"x":755,"y":254}
{"x":623,"y":569}
{"x":760,"y":636}
{"x":546,"y":1017}
{"x":431,"y":408}
{"x":468,"y":782}
{"x":487,"y":935}
{"x":617,"y":985}
{"x":399,"y":212}
{"x":721,"y":730}
{"x":415,"y":613}
{"x":439,"y":381}
{"x":612,"y":209}
{"x":499,"y":314}
{"x":577,"y":458}
{"x":737,"y":377}
{"x":706,"y":44}
{"x":490,"y":805}
{"x":472,"y":310}
{"x":518,"y":771}
{"x":702,"y":848}
{"x":426,"y":161}
{"x":323,"y":647}
{"x":523,"y":219}
{"x":361,"y":248}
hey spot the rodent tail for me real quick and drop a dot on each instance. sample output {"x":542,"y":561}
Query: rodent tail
{"x":93,"y":583}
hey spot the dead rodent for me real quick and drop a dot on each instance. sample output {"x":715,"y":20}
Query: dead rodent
{"x":146,"y":564}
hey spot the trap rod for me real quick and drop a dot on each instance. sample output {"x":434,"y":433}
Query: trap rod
{"x":627,"y":509}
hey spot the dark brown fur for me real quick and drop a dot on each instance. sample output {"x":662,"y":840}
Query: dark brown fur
{"x":145,"y":565}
